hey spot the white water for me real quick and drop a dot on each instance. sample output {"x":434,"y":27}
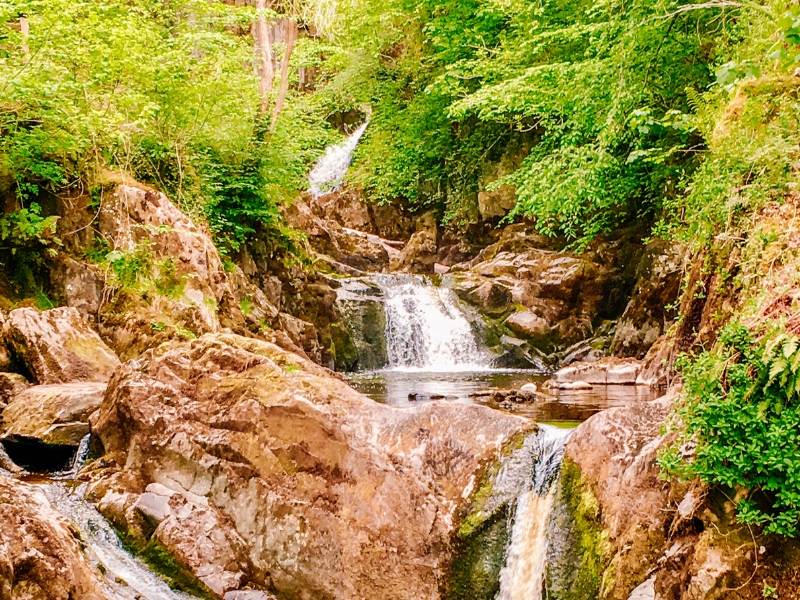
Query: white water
{"x":522,"y":577}
{"x":425,"y":329}
{"x":126,"y":577}
{"x":328,"y":174}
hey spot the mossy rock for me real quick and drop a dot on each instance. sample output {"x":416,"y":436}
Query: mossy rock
{"x":480,"y":556}
{"x":578,"y":560}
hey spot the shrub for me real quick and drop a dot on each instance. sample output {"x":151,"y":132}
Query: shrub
{"x":742,"y":409}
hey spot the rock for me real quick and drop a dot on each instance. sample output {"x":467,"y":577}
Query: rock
{"x":418,"y":256}
{"x":6,"y":363}
{"x":343,"y":245}
{"x":284,"y":477}
{"x":528,"y":324}
{"x":58,"y":346}
{"x":554,"y":299}
{"x":80,"y":285}
{"x":569,"y":385}
{"x":55,"y":414}
{"x":615,"y":499}
{"x":40,"y":554}
{"x":11,"y":384}
{"x":606,"y":371}
{"x":658,"y":279}
{"x":645,"y":591}
{"x":361,"y":343}
{"x":529,"y":390}
{"x":133,"y":215}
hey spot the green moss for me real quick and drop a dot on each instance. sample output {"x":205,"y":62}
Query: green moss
{"x":581,"y":570}
{"x":158,"y":558}
{"x":480,"y":555}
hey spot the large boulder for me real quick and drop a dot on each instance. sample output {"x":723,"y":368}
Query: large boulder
{"x":628,"y":533}
{"x":58,"y":346}
{"x":40,"y":554}
{"x":52,"y":414}
{"x":419,"y":254}
{"x":253,"y":466}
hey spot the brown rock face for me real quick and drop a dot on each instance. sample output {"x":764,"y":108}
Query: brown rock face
{"x":40,"y":556}
{"x":419,"y":254}
{"x":52,"y":414}
{"x":257,"y":468}
{"x":58,"y":346}
{"x":658,"y":281}
{"x":654,"y":539}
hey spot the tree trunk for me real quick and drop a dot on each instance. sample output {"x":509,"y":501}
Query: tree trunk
{"x":264,"y":59}
{"x":290,"y":37}
{"x":24,"y":30}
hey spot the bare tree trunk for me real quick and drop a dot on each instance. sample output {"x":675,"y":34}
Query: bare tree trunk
{"x":264,"y":58}
{"x":24,"y":30}
{"x":290,"y":37}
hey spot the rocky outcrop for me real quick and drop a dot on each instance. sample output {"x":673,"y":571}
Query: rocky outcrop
{"x":329,"y":238}
{"x":550,"y":298}
{"x":606,"y":371}
{"x":419,"y":254}
{"x":627,"y":533}
{"x":58,"y":346}
{"x":350,"y":210}
{"x":253,"y":466}
{"x":11,"y":384}
{"x":40,"y":554}
{"x":361,"y":338}
{"x":52,"y":414}
{"x":658,"y":280}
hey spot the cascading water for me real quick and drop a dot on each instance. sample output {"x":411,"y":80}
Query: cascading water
{"x":126,"y":577}
{"x":522,"y":577}
{"x":328,"y":174}
{"x":425,"y":329}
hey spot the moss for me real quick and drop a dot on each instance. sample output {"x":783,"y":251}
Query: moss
{"x":482,"y":537}
{"x":480,"y":555}
{"x":581,"y":568}
{"x":158,"y":558}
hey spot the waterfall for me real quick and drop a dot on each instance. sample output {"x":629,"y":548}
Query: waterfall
{"x":522,"y":577}
{"x":81,"y":454}
{"x":425,"y":329}
{"x":328,"y":174}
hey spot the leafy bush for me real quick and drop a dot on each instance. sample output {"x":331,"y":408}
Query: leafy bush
{"x":742,"y":409}
{"x":26,"y":237}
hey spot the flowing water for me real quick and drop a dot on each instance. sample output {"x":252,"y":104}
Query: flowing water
{"x":126,"y":577}
{"x":328,"y":174}
{"x":522,"y":577}
{"x":122,"y":575}
{"x":425,"y":329}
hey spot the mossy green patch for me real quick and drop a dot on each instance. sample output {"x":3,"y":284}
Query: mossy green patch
{"x":159,"y":559}
{"x":580,"y":571}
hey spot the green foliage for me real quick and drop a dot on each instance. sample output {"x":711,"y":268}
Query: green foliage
{"x":742,"y":408}
{"x":26,"y":238}
{"x":163,"y":91}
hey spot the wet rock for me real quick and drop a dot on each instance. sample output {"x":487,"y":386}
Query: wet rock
{"x":658,"y":279}
{"x":52,"y":414}
{"x":40,"y":554}
{"x":611,"y":485}
{"x":607,"y":371}
{"x":58,"y":346}
{"x":331,"y":494}
{"x":362,"y":343}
